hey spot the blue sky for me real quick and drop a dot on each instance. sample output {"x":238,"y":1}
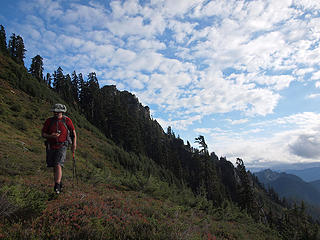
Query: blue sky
{"x":245,"y":74}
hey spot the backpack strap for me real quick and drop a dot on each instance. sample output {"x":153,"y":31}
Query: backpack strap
{"x":64,"y":122}
{"x":53,"y":120}
{"x":70,"y":135}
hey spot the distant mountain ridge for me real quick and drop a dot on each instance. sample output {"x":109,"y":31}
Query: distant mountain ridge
{"x":291,"y":186}
{"x":308,"y":174}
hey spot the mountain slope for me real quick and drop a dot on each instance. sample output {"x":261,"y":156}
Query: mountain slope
{"x":316,"y":184}
{"x":119,"y":195}
{"x":290,"y":186}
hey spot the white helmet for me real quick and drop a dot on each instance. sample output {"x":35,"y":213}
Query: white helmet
{"x":58,"y":107}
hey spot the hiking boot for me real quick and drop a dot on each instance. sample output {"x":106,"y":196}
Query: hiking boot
{"x":61,"y":186}
{"x":57,"y":188}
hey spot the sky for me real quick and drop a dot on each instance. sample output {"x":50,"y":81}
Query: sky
{"x":244,"y":74}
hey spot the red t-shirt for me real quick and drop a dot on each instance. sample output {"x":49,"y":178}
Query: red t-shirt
{"x":56,"y":126}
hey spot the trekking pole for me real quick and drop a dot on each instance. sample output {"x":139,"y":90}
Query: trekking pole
{"x":74,"y":172}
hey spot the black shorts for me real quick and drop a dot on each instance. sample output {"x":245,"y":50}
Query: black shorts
{"x":56,"y":156}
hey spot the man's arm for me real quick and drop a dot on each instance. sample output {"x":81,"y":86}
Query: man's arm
{"x":44,"y":133}
{"x":47,"y":136}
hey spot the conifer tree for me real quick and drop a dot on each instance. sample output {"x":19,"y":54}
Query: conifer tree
{"x":36,"y":68}
{"x":3,"y":40}
{"x":58,"y":80}
{"x":16,"y":48}
{"x":48,"y":80}
{"x":93,"y":88}
{"x":67,"y":89}
{"x":20,"y":51}
{"x":83,"y":94}
{"x":246,"y":195}
{"x":12,"y":46}
{"x":200,"y":140}
{"x":75,"y":87}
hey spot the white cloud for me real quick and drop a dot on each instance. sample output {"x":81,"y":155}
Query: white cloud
{"x":180,"y":124}
{"x":238,"y":121}
{"x":88,"y":16}
{"x":313,"y":95}
{"x":122,"y":57}
{"x":307,"y":4}
{"x":203,"y":130}
{"x":316,"y":75}
{"x":182,"y":30}
{"x":303,"y":120}
{"x":146,"y":61}
{"x":303,"y":71}
{"x":48,"y":8}
{"x":306,"y":146}
{"x":177,"y":7}
{"x":294,"y":139}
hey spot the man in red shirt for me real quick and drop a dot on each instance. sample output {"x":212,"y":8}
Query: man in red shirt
{"x":57,"y":130}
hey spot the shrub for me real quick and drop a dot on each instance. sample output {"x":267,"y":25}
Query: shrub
{"x":21,"y":124}
{"x":16,"y":107}
{"x":28,"y":201}
{"x":28,"y":115}
{"x":6,"y":208}
{"x":2,"y":110}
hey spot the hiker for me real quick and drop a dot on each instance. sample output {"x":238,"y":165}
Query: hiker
{"x":58,"y":131}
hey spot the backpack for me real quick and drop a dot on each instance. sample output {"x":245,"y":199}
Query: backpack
{"x":70,"y":135}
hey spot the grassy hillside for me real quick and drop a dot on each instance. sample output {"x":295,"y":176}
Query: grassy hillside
{"x":108,"y":201}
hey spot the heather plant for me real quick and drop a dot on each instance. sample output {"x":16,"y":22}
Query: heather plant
{"x":7,"y":209}
{"x":16,"y":107}
{"x":28,"y":201}
{"x":2,"y":110}
{"x":21,"y":124}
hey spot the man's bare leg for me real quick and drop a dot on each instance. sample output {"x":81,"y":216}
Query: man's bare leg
{"x":57,"y":174}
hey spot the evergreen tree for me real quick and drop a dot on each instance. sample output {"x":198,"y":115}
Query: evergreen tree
{"x":3,"y":40}
{"x":67,"y":89}
{"x":48,"y":80}
{"x":58,"y":81}
{"x":36,"y":68}
{"x":200,"y":140}
{"x":75,"y":85}
{"x":92,"y":96}
{"x":88,"y":90}
{"x":227,"y":175}
{"x":20,"y":55}
{"x":246,"y":195}
{"x":82,"y":92}
{"x":16,"y":48}
{"x":12,"y":47}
